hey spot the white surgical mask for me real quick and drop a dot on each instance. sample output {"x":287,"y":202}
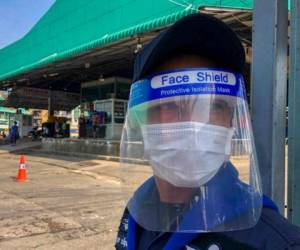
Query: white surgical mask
{"x":186,"y":154}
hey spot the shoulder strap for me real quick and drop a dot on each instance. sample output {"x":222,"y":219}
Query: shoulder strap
{"x":131,"y":233}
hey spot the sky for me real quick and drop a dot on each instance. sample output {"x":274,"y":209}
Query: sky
{"x":17,"y":17}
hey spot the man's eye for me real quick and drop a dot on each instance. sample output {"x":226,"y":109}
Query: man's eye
{"x":217,"y":106}
{"x":169,"y":106}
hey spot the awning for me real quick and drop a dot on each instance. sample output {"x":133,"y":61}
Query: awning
{"x":72,"y":28}
{"x":38,"y":99}
{"x":7,"y":110}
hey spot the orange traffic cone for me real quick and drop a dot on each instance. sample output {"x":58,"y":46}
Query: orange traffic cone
{"x":22,"y":170}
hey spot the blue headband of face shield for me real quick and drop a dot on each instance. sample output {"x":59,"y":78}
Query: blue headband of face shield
{"x":187,"y":82}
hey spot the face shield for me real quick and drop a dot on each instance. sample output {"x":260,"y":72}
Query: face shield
{"x":187,"y":153}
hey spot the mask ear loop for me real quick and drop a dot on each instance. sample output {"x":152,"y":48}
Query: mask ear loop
{"x":193,"y":107}
{"x":232,"y":110}
{"x":181,"y":108}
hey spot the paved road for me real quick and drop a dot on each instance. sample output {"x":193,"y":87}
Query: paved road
{"x":66,"y":203}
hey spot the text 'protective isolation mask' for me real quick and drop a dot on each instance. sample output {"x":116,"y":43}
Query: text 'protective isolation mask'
{"x":187,"y":142}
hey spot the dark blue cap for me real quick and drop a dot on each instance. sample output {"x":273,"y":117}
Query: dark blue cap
{"x":198,"y":34}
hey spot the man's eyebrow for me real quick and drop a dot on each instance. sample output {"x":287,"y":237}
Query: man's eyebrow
{"x":220,"y":103}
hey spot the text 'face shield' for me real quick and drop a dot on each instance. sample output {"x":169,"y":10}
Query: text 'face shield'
{"x":187,"y":153}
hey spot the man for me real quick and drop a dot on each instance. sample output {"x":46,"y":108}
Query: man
{"x":65,"y":129}
{"x":57,"y":129}
{"x":187,"y":107}
{"x":95,"y":125}
{"x":3,"y":134}
{"x":82,"y":126}
{"x":14,"y":134}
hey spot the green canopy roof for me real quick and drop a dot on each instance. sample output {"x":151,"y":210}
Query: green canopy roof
{"x":13,"y":111}
{"x":73,"y":27}
{"x":7,"y":110}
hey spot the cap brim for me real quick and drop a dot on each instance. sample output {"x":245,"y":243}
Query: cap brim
{"x":200,"y":34}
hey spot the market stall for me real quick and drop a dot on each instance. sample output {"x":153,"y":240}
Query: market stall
{"x":103,"y":108}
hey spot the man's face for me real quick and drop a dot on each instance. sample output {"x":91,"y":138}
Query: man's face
{"x":183,"y":110}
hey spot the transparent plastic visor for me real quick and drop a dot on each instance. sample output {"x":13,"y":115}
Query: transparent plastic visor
{"x":187,"y":153}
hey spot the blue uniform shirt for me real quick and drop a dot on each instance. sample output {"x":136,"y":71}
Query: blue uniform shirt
{"x":271,"y":232}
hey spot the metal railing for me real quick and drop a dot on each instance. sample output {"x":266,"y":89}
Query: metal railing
{"x":240,"y":147}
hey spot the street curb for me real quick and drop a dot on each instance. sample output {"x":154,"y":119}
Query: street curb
{"x":92,"y":156}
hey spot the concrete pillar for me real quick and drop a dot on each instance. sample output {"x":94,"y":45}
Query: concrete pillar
{"x":294,"y":117}
{"x":268,"y":95}
{"x":50,"y":104}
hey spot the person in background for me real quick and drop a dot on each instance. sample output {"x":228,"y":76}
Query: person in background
{"x":95,"y":125}
{"x":57,"y":129}
{"x":14,"y":134}
{"x":3,"y":135}
{"x":46,"y":131}
{"x":82,"y":126}
{"x":65,"y":129}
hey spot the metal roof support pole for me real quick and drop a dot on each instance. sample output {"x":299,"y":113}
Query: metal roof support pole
{"x":268,"y":93}
{"x":294,"y":118}
{"x":50,"y":104}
